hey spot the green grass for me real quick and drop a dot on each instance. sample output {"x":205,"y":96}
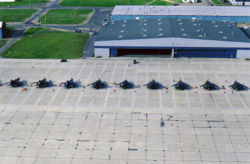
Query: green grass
{"x":16,"y":15}
{"x":22,"y":2}
{"x":217,"y":2}
{"x":221,"y":3}
{"x":178,"y":1}
{"x":100,"y":3}
{"x":161,"y":2}
{"x":3,"y":42}
{"x":65,"y":16}
{"x":44,"y":43}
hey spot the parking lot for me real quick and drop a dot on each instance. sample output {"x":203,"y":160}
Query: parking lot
{"x":116,"y":126}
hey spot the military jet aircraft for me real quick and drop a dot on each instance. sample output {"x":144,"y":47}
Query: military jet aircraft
{"x":238,"y":86}
{"x":63,"y":60}
{"x":135,"y":61}
{"x":126,"y":84}
{"x":43,"y":83}
{"x":210,"y":86}
{"x":153,"y":85}
{"x":180,"y":85}
{"x":70,"y":84}
{"x":16,"y":83}
{"x":98,"y":84}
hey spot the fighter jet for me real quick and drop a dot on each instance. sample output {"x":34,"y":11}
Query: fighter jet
{"x":16,"y":83}
{"x":98,"y":84}
{"x":210,"y":86}
{"x":238,"y":86}
{"x":180,"y":85}
{"x":63,"y":60}
{"x":153,"y":85}
{"x":43,"y":83}
{"x":126,"y":85}
{"x":70,"y":84}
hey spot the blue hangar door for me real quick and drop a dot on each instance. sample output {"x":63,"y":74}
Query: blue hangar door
{"x":205,"y":53}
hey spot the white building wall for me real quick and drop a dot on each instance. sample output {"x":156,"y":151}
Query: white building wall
{"x":104,"y":52}
{"x":172,"y":42}
{"x":243,"y":54}
{"x":181,"y":10}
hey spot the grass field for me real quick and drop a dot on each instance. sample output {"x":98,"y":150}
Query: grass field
{"x":217,"y":2}
{"x":16,"y":15}
{"x":220,"y":3}
{"x":99,"y":3}
{"x":161,"y":2}
{"x":44,"y":43}
{"x":22,"y":2}
{"x":65,"y":16}
{"x":3,"y":42}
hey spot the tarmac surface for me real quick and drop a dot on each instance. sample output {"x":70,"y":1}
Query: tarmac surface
{"x":116,"y":126}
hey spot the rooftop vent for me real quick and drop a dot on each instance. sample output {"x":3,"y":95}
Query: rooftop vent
{"x":112,"y":22}
{"x":122,"y":31}
{"x":179,"y":19}
{"x":145,"y":24}
{"x":123,"y":25}
{"x":180,"y":23}
{"x":184,"y":34}
{"x":145,"y":35}
{"x":160,"y":29}
{"x":125,"y":21}
{"x":160,"y":34}
{"x":159,"y":23}
{"x":216,"y":26}
{"x":137,"y":18}
{"x":221,"y":32}
{"x":145,"y":30}
{"x":120,"y":36}
{"x":159,"y":19}
{"x":145,"y":20}
{"x":198,"y":30}
{"x":200,"y":36}
{"x":195,"y":24}
{"x":213,"y":22}
{"x":224,"y":37}
{"x":182,"y":29}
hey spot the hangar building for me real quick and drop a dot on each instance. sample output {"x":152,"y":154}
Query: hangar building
{"x":173,"y":37}
{"x":239,"y":14}
{"x":240,"y":2}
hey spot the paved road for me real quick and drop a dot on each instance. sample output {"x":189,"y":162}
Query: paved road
{"x":94,"y":24}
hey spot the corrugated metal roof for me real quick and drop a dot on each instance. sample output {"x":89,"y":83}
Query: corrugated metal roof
{"x":183,"y":10}
{"x":171,"y":27}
